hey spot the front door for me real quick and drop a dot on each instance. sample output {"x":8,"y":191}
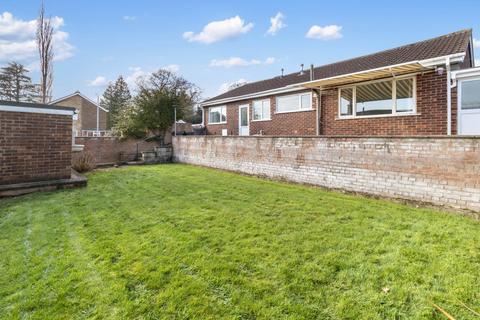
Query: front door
{"x":469,"y":107}
{"x":243,"y":123}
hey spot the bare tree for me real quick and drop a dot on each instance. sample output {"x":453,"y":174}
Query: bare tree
{"x":45,"y":50}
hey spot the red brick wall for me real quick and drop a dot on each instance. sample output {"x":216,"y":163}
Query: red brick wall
{"x":431,"y":117}
{"x":292,"y":123}
{"x":109,"y":149}
{"x":440,"y":170}
{"x":34,"y":147}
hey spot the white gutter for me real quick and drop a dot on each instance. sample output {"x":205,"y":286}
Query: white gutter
{"x":449,"y":97}
{"x":37,"y":110}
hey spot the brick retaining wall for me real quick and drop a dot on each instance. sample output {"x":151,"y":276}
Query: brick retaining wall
{"x":438,"y":170}
{"x":108,"y":150}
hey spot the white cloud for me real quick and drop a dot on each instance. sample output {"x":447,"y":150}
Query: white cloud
{"x":172,"y":68}
{"x":476,"y":43}
{"x":99,"y":81}
{"x":270,"y":60}
{"x":17,"y":40}
{"x":276,"y":23}
{"x":129,"y":18}
{"x":227,"y":86}
{"x":135,"y":74}
{"x":325,"y":33}
{"x":233,"y":62}
{"x":219,"y":30}
{"x":239,"y":62}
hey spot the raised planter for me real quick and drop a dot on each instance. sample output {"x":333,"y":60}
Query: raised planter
{"x":158,"y":155}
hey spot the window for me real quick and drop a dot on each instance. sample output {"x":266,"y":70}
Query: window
{"x":470,"y":95}
{"x":297,"y":102}
{"x":377,"y":98}
{"x":404,"y":92}
{"x":346,"y":102}
{"x":217,"y":115}
{"x":261,"y":110}
{"x":374,"y":99}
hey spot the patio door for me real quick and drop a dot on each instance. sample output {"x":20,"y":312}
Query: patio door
{"x":469,"y":107}
{"x":243,"y":123}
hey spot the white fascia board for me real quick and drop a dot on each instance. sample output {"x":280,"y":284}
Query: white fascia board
{"x":251,"y":96}
{"x":37,"y":110}
{"x":454,"y":58}
{"x":466,"y":73}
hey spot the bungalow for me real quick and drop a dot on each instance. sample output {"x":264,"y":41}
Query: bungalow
{"x":425,"y":88}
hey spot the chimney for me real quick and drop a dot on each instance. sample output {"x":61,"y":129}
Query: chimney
{"x":301,"y":71}
{"x":312,"y":75}
{"x":282,"y":72}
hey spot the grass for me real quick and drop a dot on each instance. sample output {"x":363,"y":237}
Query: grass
{"x":182,"y":242}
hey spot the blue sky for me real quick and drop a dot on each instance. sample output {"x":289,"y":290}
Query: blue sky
{"x":99,"y":40}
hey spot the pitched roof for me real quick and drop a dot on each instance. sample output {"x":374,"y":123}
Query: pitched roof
{"x":452,"y":43}
{"x":78,"y":93}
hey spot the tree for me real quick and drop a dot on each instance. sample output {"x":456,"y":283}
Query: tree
{"x":46,"y":54}
{"x":154,"y":107}
{"x":115,"y":98}
{"x":15,"y":84}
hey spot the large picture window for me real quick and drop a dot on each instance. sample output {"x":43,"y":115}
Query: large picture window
{"x":217,"y":115}
{"x":470,"y":95}
{"x":387,"y":97}
{"x":261,"y":110}
{"x":296,"y":102}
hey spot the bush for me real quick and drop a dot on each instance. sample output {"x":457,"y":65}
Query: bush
{"x":84,"y":162}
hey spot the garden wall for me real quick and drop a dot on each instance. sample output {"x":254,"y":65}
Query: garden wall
{"x":110,"y":150}
{"x":438,"y":170}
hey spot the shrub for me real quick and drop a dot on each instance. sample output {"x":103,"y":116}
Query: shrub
{"x":84,"y":162}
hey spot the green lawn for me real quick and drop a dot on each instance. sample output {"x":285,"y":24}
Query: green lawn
{"x":182,"y":242}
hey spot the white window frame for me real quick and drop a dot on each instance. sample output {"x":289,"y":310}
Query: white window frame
{"x":221,"y":122}
{"x":299,"y":95}
{"x":269,"y":110}
{"x":394,"y":99}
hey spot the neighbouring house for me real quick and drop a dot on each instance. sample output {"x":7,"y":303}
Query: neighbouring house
{"x":91,"y":117}
{"x":425,"y":88}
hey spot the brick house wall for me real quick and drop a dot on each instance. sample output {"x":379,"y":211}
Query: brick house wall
{"x":431,"y":117}
{"x":34,"y":147}
{"x":439,"y":170}
{"x":291,"y":123}
{"x":87,"y":113}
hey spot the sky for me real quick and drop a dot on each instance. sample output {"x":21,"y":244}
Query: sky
{"x":215,"y":43}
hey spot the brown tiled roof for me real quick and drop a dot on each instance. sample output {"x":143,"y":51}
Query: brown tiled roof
{"x":456,"y":42}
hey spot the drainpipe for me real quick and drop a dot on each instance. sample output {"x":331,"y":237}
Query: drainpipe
{"x":98,"y":121}
{"x":318,"y":93}
{"x":449,"y":97}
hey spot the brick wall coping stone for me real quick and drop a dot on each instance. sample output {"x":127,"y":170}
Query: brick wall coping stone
{"x":445,"y":137}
